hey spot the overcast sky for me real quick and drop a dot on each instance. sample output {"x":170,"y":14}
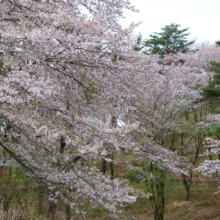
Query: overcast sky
{"x":201,"y":16}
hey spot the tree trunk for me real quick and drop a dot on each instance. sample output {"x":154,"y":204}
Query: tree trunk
{"x":158,"y":215}
{"x":40,"y":206}
{"x":173,"y":140}
{"x":7,"y":196}
{"x":210,"y":154}
{"x":112,"y":168}
{"x":187,"y":183}
{"x":68,"y":214}
{"x":156,"y":188}
{"x":186,"y":115}
{"x":181,"y":136}
{"x":187,"y":194}
{"x":62,"y":149}
{"x":165,"y":139}
{"x":52,"y":208}
{"x":103,"y":167}
{"x":195,"y":116}
{"x":182,"y":142}
{"x":159,"y":209}
{"x":1,"y":171}
{"x":201,"y":113}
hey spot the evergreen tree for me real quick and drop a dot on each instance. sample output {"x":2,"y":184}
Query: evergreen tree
{"x":217,"y":43}
{"x":170,"y":41}
{"x":139,"y":45}
{"x":211,"y":92}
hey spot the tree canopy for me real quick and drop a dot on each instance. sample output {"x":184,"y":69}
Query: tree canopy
{"x":65,"y":78}
{"x":59,"y":83}
{"x":211,"y":92}
{"x":170,"y":41}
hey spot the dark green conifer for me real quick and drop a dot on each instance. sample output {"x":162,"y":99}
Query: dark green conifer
{"x":170,"y":41}
{"x":211,"y":92}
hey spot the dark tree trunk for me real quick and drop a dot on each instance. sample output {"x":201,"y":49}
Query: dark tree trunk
{"x":51,"y":210}
{"x":158,"y":215}
{"x":182,"y":142}
{"x":173,"y":140}
{"x":62,"y":145}
{"x":156,"y":188}
{"x":112,"y":168}
{"x":186,"y":113}
{"x":67,"y":209}
{"x":62,"y":148}
{"x":181,"y":137}
{"x":160,"y":206}
{"x":210,"y":154}
{"x":103,"y":167}
{"x":187,"y":194}
{"x":195,"y":116}
{"x":40,"y":206}
{"x":7,"y":197}
{"x":6,"y":203}
{"x":187,"y":181}
{"x":201,"y":113}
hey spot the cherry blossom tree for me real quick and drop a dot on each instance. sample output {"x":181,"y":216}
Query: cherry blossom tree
{"x":59,"y":83}
{"x":57,"y":91}
{"x":210,"y":168}
{"x":171,"y":94}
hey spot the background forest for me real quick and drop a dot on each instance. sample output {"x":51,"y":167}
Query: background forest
{"x":97,"y":123}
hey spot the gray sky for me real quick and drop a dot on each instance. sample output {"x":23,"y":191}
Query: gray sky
{"x":201,"y":16}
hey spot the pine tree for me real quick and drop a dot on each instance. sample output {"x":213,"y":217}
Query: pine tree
{"x":211,"y":92}
{"x":170,"y":41}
